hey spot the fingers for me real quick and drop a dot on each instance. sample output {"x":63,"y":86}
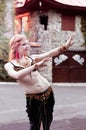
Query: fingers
{"x":71,"y":37}
{"x":69,"y":42}
{"x":43,"y":62}
{"x":47,"y":59}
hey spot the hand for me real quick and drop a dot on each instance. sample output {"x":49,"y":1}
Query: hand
{"x":69,"y":42}
{"x":42,"y":63}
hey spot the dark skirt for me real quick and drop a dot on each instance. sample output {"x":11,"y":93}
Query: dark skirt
{"x":40,"y":111}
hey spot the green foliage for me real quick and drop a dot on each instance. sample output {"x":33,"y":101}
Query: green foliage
{"x":3,"y":43}
{"x":3,"y":39}
{"x":4,"y":49}
{"x":3,"y":59}
{"x":2,"y":17}
{"x":3,"y":74}
{"x":83,"y":28}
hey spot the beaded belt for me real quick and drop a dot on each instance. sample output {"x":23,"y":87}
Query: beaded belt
{"x":40,"y":96}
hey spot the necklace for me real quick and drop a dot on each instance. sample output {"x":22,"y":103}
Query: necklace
{"x":25,"y":61}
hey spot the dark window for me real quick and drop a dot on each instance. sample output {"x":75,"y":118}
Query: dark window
{"x":44,"y":21}
{"x":68,"y":23}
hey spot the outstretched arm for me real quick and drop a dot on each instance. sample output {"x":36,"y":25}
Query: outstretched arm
{"x":57,"y":50}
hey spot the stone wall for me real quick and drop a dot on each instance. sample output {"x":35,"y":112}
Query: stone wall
{"x":54,"y":37}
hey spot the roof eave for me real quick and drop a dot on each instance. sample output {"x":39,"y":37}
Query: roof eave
{"x":50,"y":4}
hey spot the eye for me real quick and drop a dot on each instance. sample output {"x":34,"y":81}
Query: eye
{"x":24,"y":44}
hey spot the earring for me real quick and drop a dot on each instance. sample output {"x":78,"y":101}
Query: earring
{"x":17,"y":55}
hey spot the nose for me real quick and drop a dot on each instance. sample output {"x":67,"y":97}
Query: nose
{"x":27,"y":46}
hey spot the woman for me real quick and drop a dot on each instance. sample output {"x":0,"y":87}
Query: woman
{"x":24,"y":68}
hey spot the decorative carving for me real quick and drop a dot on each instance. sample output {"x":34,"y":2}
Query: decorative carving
{"x":60,"y":59}
{"x":79,"y":59}
{"x":20,"y":3}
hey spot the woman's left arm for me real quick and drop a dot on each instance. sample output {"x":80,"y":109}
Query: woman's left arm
{"x":56,"y":51}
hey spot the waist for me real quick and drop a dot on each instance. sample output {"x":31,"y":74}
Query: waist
{"x":40,"y":96}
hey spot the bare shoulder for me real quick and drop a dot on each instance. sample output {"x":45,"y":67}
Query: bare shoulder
{"x":8,"y":65}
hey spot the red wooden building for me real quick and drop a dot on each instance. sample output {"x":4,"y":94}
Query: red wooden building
{"x":58,"y":18}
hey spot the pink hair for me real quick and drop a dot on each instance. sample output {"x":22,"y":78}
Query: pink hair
{"x":14,"y":43}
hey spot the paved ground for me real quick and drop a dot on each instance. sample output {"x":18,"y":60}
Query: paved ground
{"x":71,"y":124}
{"x":69,"y":111}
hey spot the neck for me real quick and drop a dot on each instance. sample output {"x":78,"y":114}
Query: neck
{"x":22,"y":56}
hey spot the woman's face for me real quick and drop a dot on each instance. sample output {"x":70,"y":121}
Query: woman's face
{"x":24,"y":47}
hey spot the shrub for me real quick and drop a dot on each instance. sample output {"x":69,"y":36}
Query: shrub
{"x":4,"y":77}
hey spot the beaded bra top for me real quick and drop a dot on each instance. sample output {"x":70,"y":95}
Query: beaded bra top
{"x":17,"y":68}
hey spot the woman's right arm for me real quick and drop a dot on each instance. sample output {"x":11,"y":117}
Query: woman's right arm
{"x":18,"y":74}
{"x":21,"y":73}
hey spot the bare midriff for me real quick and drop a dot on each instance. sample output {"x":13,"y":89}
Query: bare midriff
{"x":34,"y":83}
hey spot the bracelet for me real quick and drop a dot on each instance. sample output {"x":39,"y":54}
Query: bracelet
{"x":64,"y":48}
{"x":36,"y":66}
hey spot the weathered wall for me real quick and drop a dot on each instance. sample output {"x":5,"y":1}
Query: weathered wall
{"x":54,"y":37}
